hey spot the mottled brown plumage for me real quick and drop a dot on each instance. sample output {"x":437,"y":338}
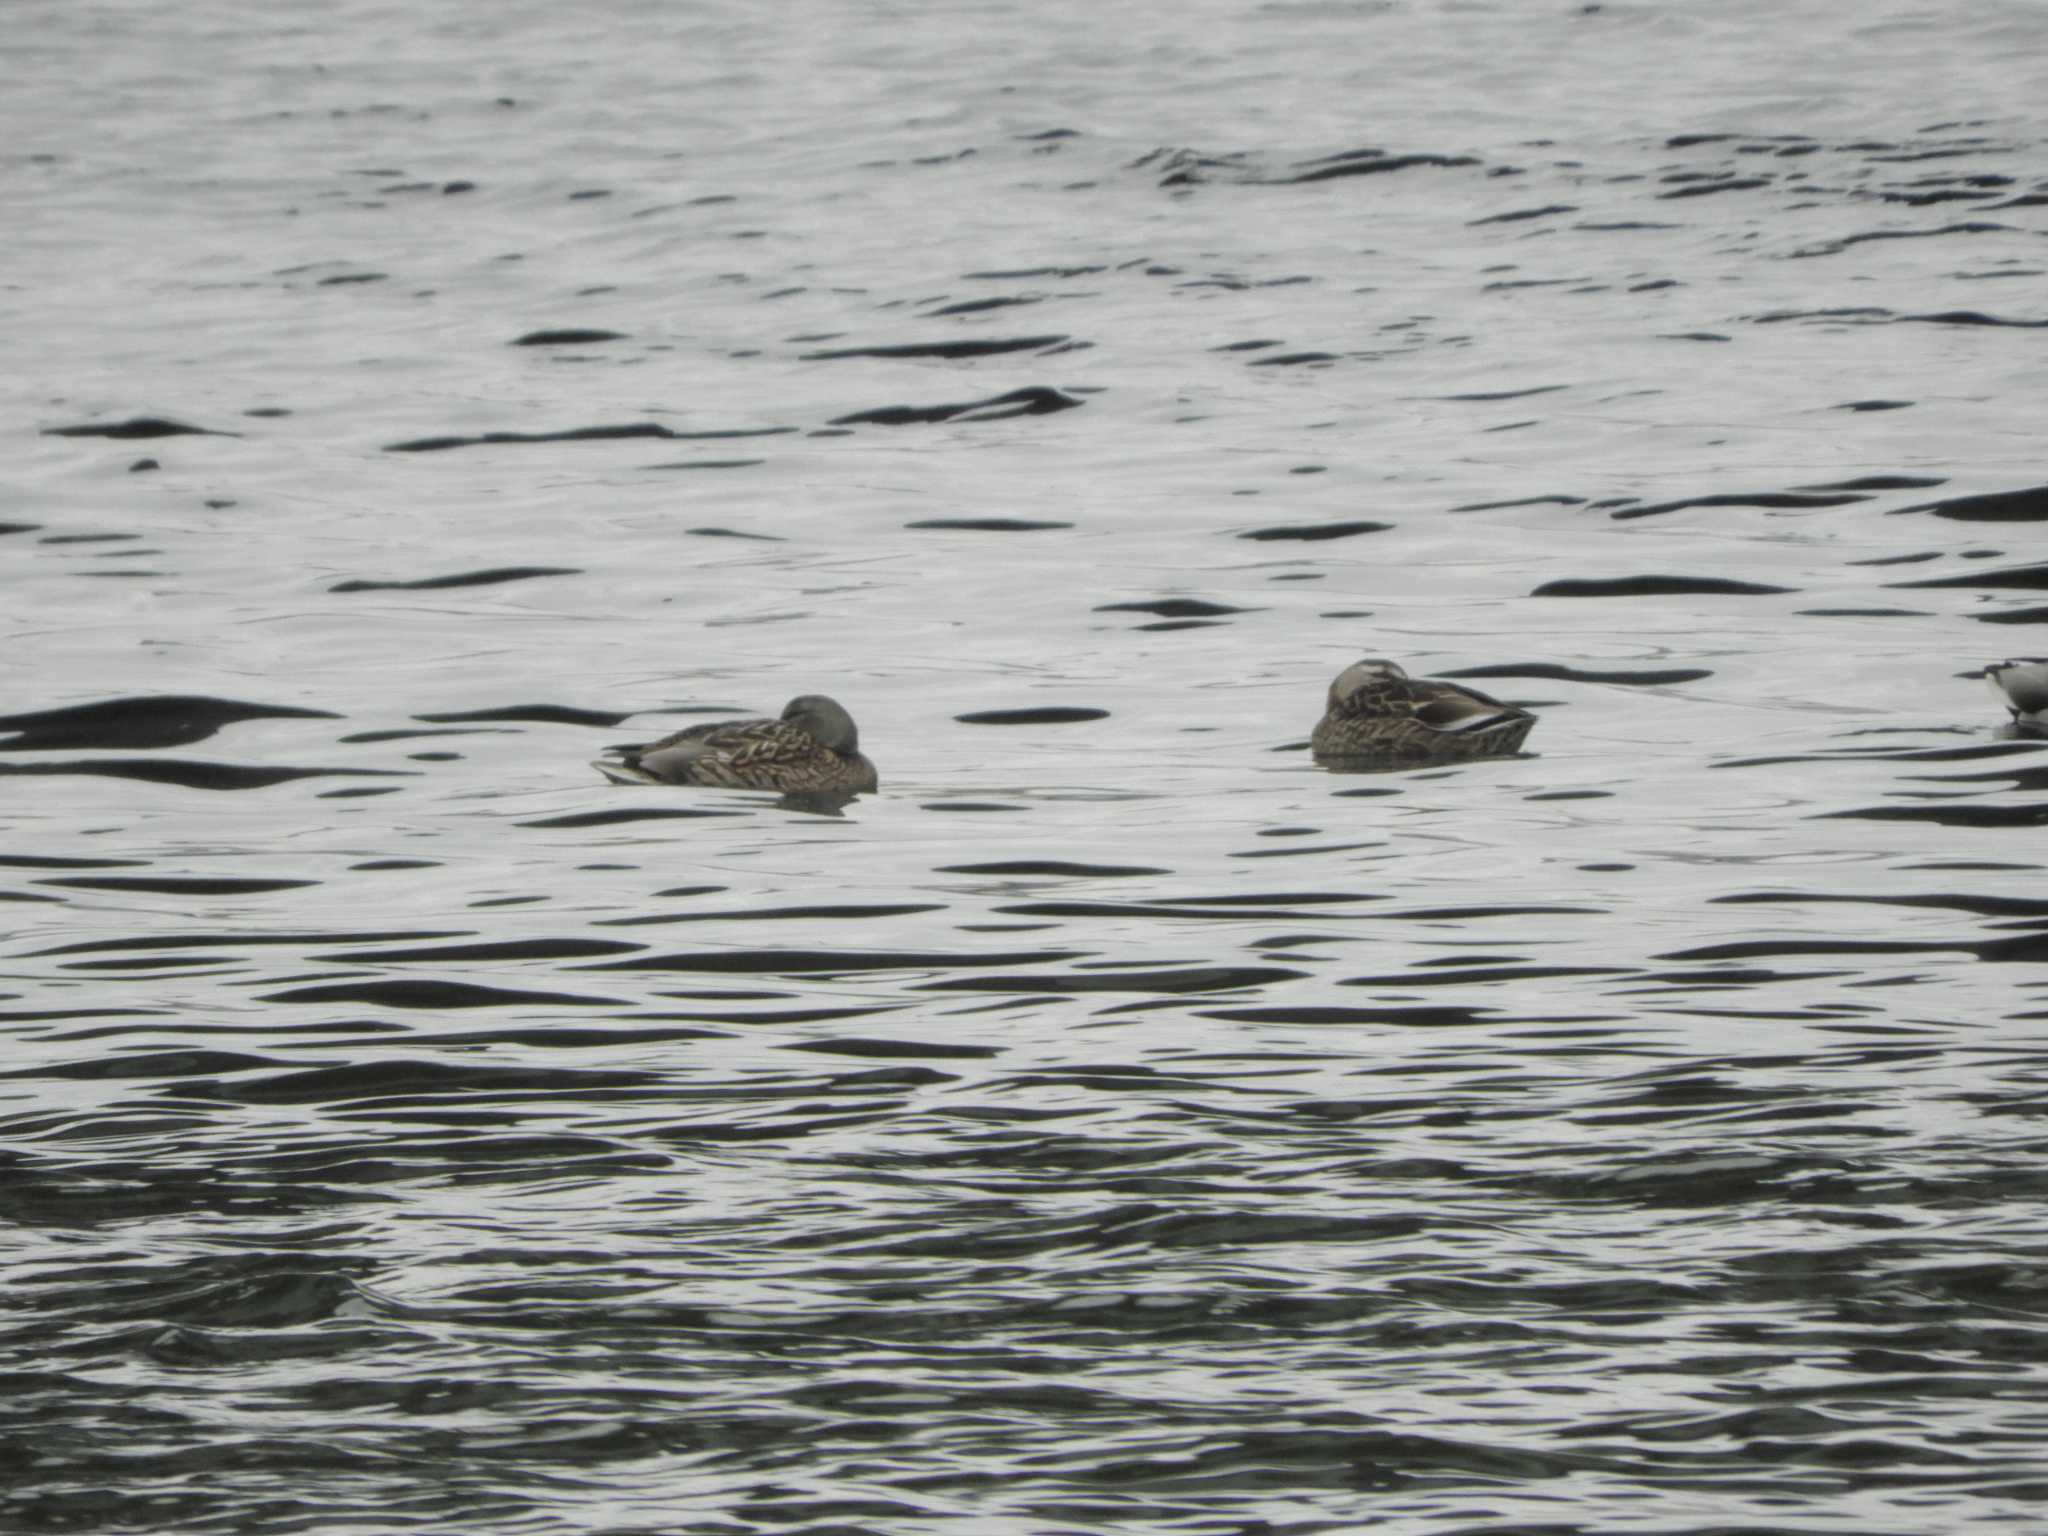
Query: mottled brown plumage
{"x":813,"y":749}
{"x":1380,"y":717}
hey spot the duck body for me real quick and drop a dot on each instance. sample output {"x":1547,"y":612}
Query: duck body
{"x":2022,"y":684}
{"x":1380,"y":717}
{"x":814,"y":748}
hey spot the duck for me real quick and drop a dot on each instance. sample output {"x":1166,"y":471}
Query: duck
{"x":1380,"y":717}
{"x":813,"y":749}
{"x":2022,"y":684}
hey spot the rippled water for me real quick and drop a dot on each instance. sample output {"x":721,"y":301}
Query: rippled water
{"x":1117,"y":1123}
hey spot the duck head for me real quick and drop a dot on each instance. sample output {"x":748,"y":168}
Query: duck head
{"x":1363,"y":681}
{"x":824,"y":718}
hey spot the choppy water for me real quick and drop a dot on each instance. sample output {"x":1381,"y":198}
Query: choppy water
{"x":1116,"y":1124}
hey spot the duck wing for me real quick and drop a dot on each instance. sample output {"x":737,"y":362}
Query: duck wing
{"x":677,"y":758}
{"x":1452,"y":707}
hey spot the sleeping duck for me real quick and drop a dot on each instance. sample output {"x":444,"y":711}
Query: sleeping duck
{"x":2023,"y":685}
{"x":813,"y":749}
{"x":1380,"y":717}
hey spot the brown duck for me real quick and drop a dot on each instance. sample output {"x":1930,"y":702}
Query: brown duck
{"x":813,"y":749}
{"x":1380,"y":717}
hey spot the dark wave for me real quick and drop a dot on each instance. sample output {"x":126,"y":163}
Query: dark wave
{"x":188,"y":774}
{"x":801,"y":962}
{"x":2023,"y":506}
{"x":1169,"y":983}
{"x":944,"y":349}
{"x":496,"y":576}
{"x":145,"y":721}
{"x":1654,"y":678}
{"x":569,"y":336}
{"x":137,"y":427}
{"x":1174,"y":608}
{"x":434,"y":995}
{"x":1656,"y":586}
{"x":988,"y":524}
{"x":533,"y":714}
{"x":627,"y":432}
{"x":1972,"y":317}
{"x":2028,"y":578}
{"x":1037,"y":400}
{"x":1049,"y":714}
{"x":1053,"y":869}
{"x":1772,"y":499}
{"x":177,"y":885}
{"x":1316,"y":532}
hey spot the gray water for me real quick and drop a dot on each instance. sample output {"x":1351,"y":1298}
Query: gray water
{"x":1117,"y":1123}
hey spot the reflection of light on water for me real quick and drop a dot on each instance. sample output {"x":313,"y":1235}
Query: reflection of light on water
{"x":1117,"y":1122}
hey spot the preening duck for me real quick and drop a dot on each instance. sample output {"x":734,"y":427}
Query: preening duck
{"x":1379,"y":717}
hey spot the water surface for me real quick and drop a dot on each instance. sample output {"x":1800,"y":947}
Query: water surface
{"x":1117,"y":1123}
